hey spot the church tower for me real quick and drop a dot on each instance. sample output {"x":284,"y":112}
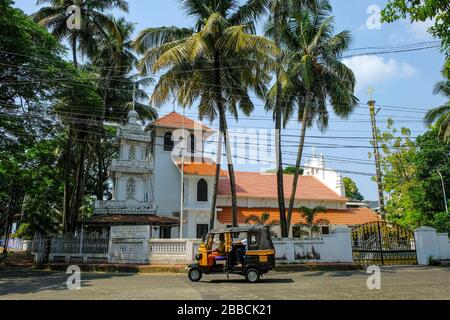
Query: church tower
{"x":131,"y":172}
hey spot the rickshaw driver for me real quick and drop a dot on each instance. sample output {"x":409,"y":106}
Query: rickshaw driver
{"x":241,"y":250}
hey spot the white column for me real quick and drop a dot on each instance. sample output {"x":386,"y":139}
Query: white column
{"x":426,"y":245}
{"x":338,"y":246}
{"x":290,"y":250}
{"x":443,"y":245}
{"x":190,"y":250}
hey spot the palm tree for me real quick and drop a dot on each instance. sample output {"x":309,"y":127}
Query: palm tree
{"x":280,"y":12}
{"x":441,"y":114}
{"x":316,"y":75}
{"x":216,"y":65}
{"x":93,"y":20}
{"x":311,"y":222}
{"x":54,"y":17}
{"x":113,"y":58}
{"x":262,"y":220}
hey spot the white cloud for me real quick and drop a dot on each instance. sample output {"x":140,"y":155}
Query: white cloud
{"x":372,"y":70}
{"x":419,"y":29}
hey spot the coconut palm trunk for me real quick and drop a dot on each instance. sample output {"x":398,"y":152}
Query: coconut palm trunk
{"x":219,"y":105}
{"x":74,"y":50}
{"x":212,"y":216}
{"x":226,"y":138}
{"x":230,"y":167}
{"x":301,"y":144}
{"x":68,"y":156}
{"x":278,"y":121}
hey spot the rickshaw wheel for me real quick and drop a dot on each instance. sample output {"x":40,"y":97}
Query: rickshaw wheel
{"x":195,"y":274}
{"x":252,"y":275}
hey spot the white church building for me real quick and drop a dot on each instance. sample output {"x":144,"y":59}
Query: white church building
{"x":147,"y":178}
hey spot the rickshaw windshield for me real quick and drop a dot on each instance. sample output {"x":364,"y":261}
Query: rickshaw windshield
{"x":213,"y":240}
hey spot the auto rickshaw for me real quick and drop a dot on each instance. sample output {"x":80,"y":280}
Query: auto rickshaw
{"x":247,"y":251}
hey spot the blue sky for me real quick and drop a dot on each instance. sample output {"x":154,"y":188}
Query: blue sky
{"x":400,"y":80}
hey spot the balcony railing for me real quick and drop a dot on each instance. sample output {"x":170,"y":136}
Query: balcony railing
{"x":123,"y":207}
{"x":132,"y":165}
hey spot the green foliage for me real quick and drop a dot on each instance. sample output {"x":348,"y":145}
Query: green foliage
{"x":441,"y":115}
{"x":192,"y":61}
{"x":263,"y":220}
{"x":441,"y":222}
{"x":24,"y":231}
{"x":415,"y":196}
{"x":351,"y":190}
{"x":292,"y":170}
{"x":312,"y":224}
{"x":421,"y":11}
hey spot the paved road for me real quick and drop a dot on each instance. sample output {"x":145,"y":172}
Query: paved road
{"x":396,"y":283}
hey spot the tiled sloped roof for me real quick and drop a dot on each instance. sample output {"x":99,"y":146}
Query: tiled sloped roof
{"x":175,"y":120}
{"x":349,"y":216}
{"x":264,"y":185}
{"x":138,"y":219}
{"x":201,"y":169}
{"x":199,"y":166}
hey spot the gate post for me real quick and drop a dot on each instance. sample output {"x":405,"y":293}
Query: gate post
{"x":426,"y":245}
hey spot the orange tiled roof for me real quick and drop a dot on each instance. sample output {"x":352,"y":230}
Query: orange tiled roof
{"x":201,"y":169}
{"x":175,"y":120}
{"x":264,"y":185}
{"x":349,"y":216}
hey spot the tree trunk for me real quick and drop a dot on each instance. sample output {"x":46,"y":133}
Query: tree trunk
{"x":278,"y":123}
{"x":299,"y":157}
{"x":9,"y":217}
{"x":74,"y":51}
{"x":230,"y":167}
{"x":98,"y":149}
{"x":67,"y":181}
{"x":78,"y":192}
{"x":67,"y":160}
{"x":223,"y":133}
{"x":216,"y":179}
{"x":100,"y":174}
{"x":219,"y":105}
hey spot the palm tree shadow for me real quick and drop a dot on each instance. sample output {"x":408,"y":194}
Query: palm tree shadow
{"x":32,"y":281}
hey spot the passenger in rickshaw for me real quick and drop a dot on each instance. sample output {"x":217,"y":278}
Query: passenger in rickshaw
{"x":219,"y":252}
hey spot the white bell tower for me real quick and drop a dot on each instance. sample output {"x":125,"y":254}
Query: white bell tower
{"x":131,"y":172}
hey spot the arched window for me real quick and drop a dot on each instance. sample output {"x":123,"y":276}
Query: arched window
{"x":168,"y":142}
{"x":202,"y":190}
{"x":192,"y":143}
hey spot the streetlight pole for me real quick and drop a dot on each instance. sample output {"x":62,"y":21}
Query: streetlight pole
{"x":182,"y":180}
{"x":443,"y":190}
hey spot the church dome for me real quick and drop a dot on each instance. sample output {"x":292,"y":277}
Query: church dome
{"x":133,"y":114}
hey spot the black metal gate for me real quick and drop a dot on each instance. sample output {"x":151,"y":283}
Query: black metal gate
{"x":383,"y":243}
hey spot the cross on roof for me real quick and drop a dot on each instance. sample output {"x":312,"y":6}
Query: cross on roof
{"x":370,"y":91}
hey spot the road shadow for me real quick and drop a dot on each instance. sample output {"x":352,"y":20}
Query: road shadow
{"x":32,"y":281}
{"x":270,"y":280}
{"x":332,"y":273}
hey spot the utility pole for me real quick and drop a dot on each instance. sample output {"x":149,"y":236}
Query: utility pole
{"x":182,"y":179}
{"x":443,"y":190}
{"x":371,"y":104}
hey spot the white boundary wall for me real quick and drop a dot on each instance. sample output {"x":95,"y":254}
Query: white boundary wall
{"x":335,"y":247}
{"x":431,"y":245}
